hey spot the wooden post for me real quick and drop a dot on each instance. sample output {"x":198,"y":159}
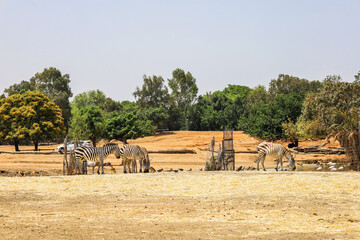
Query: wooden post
{"x":213,"y":165}
{"x":65,"y":162}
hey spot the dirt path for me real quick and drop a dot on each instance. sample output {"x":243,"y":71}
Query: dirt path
{"x":186,"y":205}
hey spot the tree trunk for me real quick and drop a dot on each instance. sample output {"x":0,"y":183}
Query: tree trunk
{"x":93,"y":142}
{"x":65,"y":162}
{"x":36,"y":144}
{"x":16,"y":143}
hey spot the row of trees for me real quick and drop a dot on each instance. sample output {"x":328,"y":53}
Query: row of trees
{"x":291,"y":107}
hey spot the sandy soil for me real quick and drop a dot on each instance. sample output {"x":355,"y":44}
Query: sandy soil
{"x":198,"y":141}
{"x":184,"y":205}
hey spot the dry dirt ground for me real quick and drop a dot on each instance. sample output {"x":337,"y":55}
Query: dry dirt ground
{"x":184,"y":205}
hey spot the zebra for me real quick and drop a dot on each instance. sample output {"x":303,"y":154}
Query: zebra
{"x":266,"y":148}
{"x":144,"y":163}
{"x":98,"y":154}
{"x":131,"y":153}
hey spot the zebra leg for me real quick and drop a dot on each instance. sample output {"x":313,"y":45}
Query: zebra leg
{"x":262,"y":162}
{"x":84,"y":167}
{"x":141,"y":165}
{"x":257,"y":162}
{"x":124,"y":164}
{"x":76,"y":166}
{"x":134,"y":165}
{"x":277,"y":164}
{"x":102,"y":164}
{"x":281,"y":162}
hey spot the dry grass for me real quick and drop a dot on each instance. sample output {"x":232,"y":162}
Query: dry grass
{"x":183,"y":205}
{"x":186,"y":205}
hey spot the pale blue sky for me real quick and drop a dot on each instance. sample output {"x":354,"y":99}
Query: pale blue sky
{"x":109,"y":45}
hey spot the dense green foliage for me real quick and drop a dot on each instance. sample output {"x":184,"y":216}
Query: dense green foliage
{"x":318,"y":109}
{"x":292,"y":107}
{"x":29,"y":116}
{"x":94,"y":116}
{"x":53,"y":84}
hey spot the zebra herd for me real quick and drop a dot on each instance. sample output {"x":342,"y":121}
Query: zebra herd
{"x":129,"y":153}
{"x":132,"y":153}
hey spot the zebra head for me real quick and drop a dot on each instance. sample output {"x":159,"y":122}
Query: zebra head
{"x":114,"y":148}
{"x":117,"y":151}
{"x":292,"y":163}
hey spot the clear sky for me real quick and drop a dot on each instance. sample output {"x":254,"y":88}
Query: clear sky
{"x":110,"y":45}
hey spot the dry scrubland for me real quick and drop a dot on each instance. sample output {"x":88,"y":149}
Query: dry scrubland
{"x":183,"y":205}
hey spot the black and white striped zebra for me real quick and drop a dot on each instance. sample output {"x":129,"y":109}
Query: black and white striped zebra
{"x":265,"y":148}
{"x":144,"y":163}
{"x":130,"y":154}
{"x":98,"y":154}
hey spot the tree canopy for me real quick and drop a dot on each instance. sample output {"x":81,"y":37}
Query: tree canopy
{"x":30,"y":116}
{"x":53,"y":84}
{"x":153,"y":93}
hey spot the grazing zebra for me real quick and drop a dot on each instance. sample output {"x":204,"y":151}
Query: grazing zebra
{"x":98,"y":154}
{"x":130,"y":154}
{"x":266,"y":148}
{"x":145,"y":162}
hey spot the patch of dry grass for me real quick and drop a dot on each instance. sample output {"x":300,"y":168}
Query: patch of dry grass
{"x":209,"y":205}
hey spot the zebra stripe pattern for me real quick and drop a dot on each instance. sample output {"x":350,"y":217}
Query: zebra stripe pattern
{"x":130,"y":154}
{"x":98,"y":154}
{"x":145,"y":163}
{"x":265,"y":148}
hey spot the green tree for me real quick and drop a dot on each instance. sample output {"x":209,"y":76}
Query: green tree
{"x":53,"y":84}
{"x":318,"y":107}
{"x":153,"y":100}
{"x":95,"y":98}
{"x":257,"y":94}
{"x":153,"y":93}
{"x":183,"y":94}
{"x":286,"y":84}
{"x":346,"y":130}
{"x":23,"y":86}
{"x":29,"y":116}
{"x":89,"y":123}
{"x":128,"y":126}
{"x":357,"y":77}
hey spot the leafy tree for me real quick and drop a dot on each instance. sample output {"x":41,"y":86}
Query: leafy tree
{"x":111,"y":105}
{"x":265,"y":119}
{"x":158,"y":116}
{"x":286,"y":84}
{"x":335,"y":94}
{"x":89,"y":123}
{"x":183,"y":95}
{"x":261,"y":120}
{"x":88,"y":115}
{"x":219,"y":110}
{"x":357,"y":77}
{"x":128,"y":123}
{"x":29,"y":116}
{"x":257,"y":94}
{"x":153,"y":100}
{"x":346,"y":130}
{"x":128,"y":126}
{"x":95,"y":98}
{"x":153,"y":93}
{"x":23,"y":86}
{"x":53,"y":84}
